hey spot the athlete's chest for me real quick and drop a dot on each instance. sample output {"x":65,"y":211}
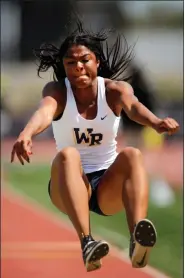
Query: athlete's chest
{"x":87,"y":112}
{"x":94,"y":132}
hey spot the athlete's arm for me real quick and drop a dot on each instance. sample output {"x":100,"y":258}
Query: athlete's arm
{"x":134,"y":109}
{"x":48,"y":109}
{"x":44,"y":115}
{"x":139,"y":113}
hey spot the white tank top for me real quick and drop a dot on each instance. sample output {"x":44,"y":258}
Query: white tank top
{"x":94,"y":139}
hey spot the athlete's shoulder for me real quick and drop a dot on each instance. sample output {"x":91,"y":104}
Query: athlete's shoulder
{"x":118,"y":87}
{"x":53,"y":88}
{"x":57,"y":91}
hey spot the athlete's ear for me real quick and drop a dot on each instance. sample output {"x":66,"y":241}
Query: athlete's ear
{"x":98,"y":63}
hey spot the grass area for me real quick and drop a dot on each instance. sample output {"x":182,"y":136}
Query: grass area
{"x":168,"y":253}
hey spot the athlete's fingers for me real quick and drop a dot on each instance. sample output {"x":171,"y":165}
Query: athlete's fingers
{"x":171,"y":122}
{"x":22,"y":151}
{"x":169,"y":125}
{"x":19,"y":151}
{"x":30,"y":145}
{"x":27,"y":146}
{"x":26,"y":157}
{"x":166,"y":124}
{"x":163,"y":127}
{"x":14,"y":151}
{"x":20,"y":159}
{"x":173,"y":126}
{"x":25,"y":151}
{"x":12,"y":154}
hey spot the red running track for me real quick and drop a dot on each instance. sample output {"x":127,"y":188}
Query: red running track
{"x":33,"y":245}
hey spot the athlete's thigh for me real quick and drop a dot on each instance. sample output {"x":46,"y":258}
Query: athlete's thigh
{"x":109,"y":193}
{"x":55,"y":185}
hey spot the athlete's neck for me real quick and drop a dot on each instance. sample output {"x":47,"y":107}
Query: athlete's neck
{"x":86,"y":96}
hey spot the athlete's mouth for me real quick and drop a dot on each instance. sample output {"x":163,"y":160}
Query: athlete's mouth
{"x":81,"y":75}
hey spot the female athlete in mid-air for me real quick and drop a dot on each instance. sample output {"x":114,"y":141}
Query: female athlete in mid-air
{"x":83,"y":104}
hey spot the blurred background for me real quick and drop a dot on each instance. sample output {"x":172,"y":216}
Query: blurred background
{"x":156,"y":29}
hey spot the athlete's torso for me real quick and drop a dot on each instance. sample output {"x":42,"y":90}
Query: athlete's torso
{"x":94,"y":139}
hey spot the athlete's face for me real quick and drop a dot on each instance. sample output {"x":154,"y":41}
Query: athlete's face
{"x":81,"y":66}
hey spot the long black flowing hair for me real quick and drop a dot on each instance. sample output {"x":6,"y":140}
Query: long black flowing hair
{"x":114,"y":60}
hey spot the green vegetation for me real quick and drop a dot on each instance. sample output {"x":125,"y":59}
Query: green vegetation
{"x":167,"y":256}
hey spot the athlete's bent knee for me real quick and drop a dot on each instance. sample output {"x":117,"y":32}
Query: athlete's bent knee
{"x":130,"y":154}
{"x":69,"y":153}
{"x":133,"y":152}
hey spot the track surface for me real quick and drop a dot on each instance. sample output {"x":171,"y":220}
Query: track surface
{"x":34,"y":245}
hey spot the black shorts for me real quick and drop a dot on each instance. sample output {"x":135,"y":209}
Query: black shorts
{"x":94,"y":179}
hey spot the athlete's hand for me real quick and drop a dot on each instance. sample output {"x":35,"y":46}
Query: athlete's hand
{"x":22,"y":148}
{"x":167,"y":125}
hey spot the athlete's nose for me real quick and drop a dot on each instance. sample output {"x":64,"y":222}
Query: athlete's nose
{"x":79,"y":66}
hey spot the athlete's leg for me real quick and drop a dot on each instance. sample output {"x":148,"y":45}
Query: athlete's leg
{"x":70,"y":190}
{"x":125,"y":184}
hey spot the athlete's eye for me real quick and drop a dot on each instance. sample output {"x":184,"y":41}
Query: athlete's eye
{"x":85,"y":61}
{"x":71,"y":62}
